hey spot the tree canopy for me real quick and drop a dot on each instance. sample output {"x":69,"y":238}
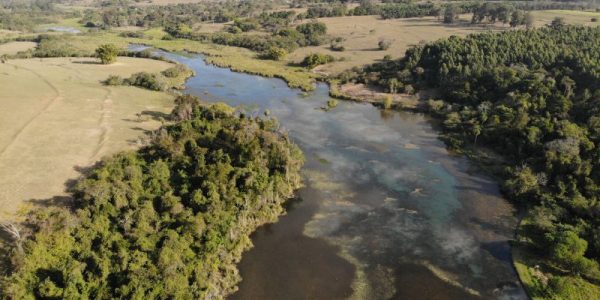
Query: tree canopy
{"x":167,"y":221}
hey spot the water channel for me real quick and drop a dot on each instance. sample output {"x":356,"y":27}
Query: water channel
{"x":386,"y":212}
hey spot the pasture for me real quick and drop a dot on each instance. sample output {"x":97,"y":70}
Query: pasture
{"x":11,"y":48}
{"x":57,"y":117}
{"x":545,"y":17}
{"x":362,"y":35}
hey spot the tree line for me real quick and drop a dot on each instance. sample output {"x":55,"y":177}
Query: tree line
{"x":169,"y":221}
{"x":534,"y":96}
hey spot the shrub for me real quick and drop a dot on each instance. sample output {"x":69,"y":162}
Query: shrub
{"x":315,"y":59}
{"x":107,"y":53}
{"x":337,"y":44}
{"x":155,"y":82}
{"x":176,"y":71}
{"x":384,"y":44}
{"x":132,"y":34}
{"x":275,"y":53}
{"x":114,"y":80}
{"x":234,"y":30}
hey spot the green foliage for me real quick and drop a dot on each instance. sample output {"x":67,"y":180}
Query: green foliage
{"x":533,"y":96}
{"x":177,"y":71}
{"x":167,"y":222}
{"x":450,"y":14}
{"x":275,"y":53}
{"x":107,"y":53}
{"x":316,"y":59}
{"x":114,"y":80}
{"x":154,"y":82}
{"x":313,"y":32}
{"x":56,"y":46}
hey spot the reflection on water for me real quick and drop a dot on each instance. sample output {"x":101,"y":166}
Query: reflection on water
{"x":386,"y":211}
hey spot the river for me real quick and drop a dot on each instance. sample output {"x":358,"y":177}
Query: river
{"x":386,"y":211}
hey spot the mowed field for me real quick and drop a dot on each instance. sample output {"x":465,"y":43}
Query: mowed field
{"x":56,"y":117}
{"x":362,"y":34}
{"x":15,"y":47}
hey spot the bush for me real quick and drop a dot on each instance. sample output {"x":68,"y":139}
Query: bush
{"x":234,"y":30}
{"x":275,"y":53}
{"x":107,"y":53}
{"x":337,"y":44}
{"x":155,"y":82}
{"x":384,"y":44}
{"x":176,"y":71}
{"x":316,"y":59}
{"x":132,"y":34}
{"x":114,"y":80}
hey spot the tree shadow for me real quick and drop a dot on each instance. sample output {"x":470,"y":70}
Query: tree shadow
{"x":156,"y":115}
{"x":87,"y":62}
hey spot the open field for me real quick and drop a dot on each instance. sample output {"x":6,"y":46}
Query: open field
{"x":56,"y":116}
{"x":362,"y":34}
{"x":14,"y":47}
{"x":545,"y":17}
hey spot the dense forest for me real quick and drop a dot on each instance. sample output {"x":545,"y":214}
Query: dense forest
{"x":169,"y":221}
{"x":534,"y":97}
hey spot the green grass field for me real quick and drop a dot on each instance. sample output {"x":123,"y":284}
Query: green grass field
{"x":55,"y":116}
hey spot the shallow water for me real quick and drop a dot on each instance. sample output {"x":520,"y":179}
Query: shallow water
{"x":62,"y":29}
{"x":386,"y":213}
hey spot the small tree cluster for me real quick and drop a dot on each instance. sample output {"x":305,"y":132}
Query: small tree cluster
{"x":107,"y":53}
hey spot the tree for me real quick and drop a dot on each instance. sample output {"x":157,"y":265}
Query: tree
{"x":393,"y":85}
{"x":529,"y":21}
{"x":450,"y":14}
{"x":568,"y":249}
{"x":517,"y":18}
{"x":557,"y":22}
{"x":107,"y":53}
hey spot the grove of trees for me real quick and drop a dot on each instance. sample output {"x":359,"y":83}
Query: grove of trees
{"x":169,"y":221}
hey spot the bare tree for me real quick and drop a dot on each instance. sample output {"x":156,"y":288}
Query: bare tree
{"x":15,"y":233}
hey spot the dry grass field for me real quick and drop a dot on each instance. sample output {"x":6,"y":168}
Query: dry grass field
{"x":15,"y":47}
{"x":545,"y":17}
{"x":56,"y":116}
{"x":362,"y":34}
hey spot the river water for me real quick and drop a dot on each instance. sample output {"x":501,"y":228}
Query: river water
{"x":386,"y":211}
